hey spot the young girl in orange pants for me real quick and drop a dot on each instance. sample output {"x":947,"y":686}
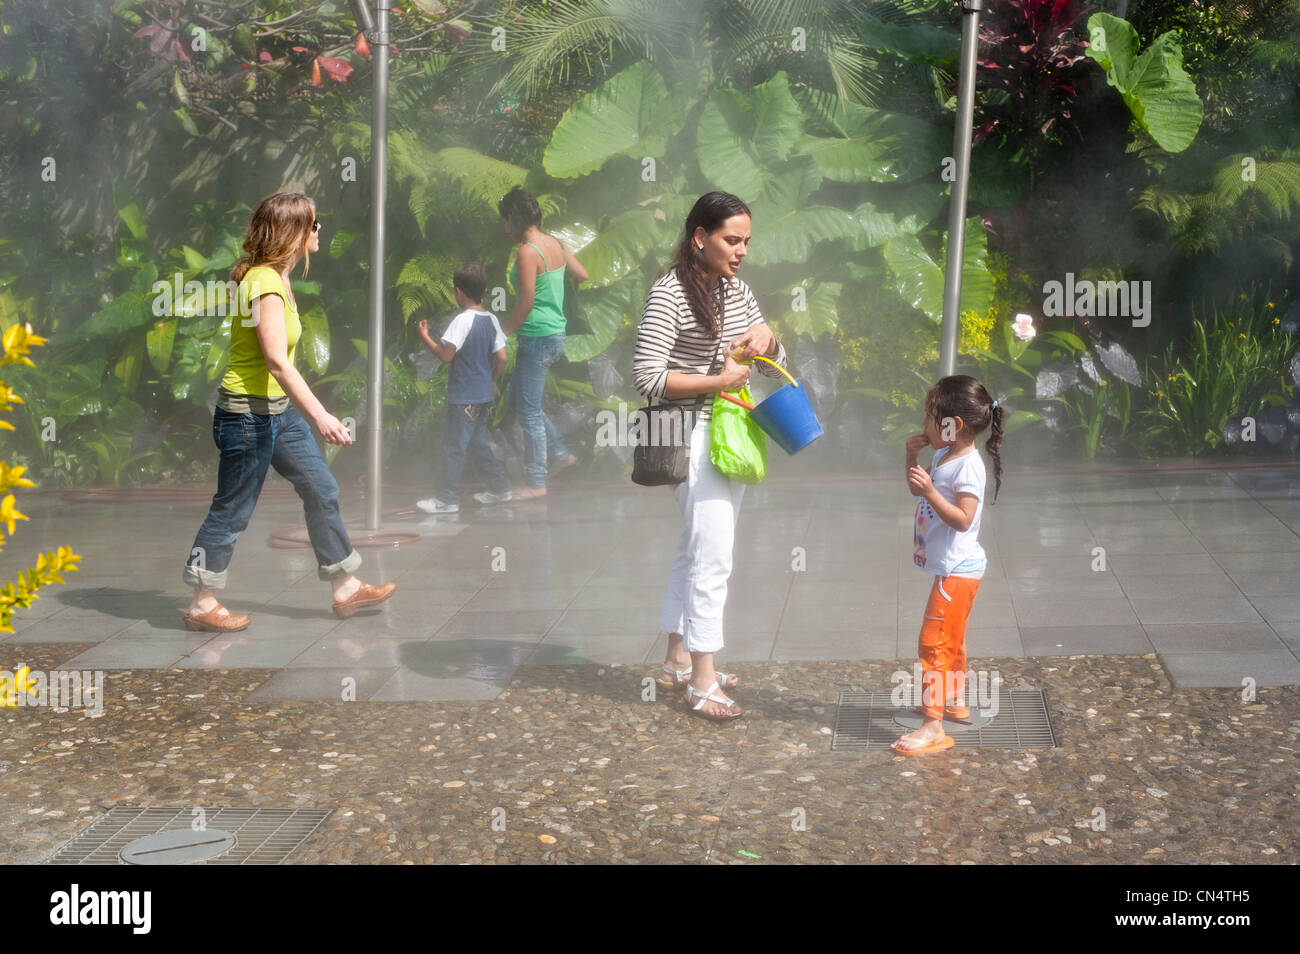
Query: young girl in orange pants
{"x":946,"y":538}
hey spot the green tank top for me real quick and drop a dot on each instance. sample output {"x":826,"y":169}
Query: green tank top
{"x":547,"y":314}
{"x":247,"y":372}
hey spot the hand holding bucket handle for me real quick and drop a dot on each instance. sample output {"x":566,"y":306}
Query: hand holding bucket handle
{"x":786,"y":414}
{"x":745,"y":404}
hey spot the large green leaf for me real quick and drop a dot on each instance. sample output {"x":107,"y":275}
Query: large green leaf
{"x":159,"y":342}
{"x":620,"y":247}
{"x":787,"y":190}
{"x":1156,"y":89}
{"x":126,"y":313}
{"x":919,"y":280}
{"x":819,"y":313}
{"x":189,"y":378}
{"x":80,"y":393}
{"x":791,"y":238}
{"x":630,"y":114}
{"x":195,"y":261}
{"x":315,"y":340}
{"x":607,"y":309}
{"x":876,"y":227}
{"x":877,"y":146}
{"x":134,"y":221}
{"x":741,"y":140}
{"x":914,"y":206}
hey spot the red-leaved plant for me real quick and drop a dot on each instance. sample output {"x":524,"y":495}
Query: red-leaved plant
{"x":1030,"y":70}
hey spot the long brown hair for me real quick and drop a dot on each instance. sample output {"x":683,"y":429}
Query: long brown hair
{"x":709,"y":212}
{"x":960,"y":395}
{"x":276,"y":233}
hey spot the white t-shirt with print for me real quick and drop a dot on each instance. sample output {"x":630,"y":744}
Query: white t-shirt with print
{"x":939,"y":548}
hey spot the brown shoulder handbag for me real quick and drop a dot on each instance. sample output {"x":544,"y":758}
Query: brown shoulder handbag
{"x":663,"y":454}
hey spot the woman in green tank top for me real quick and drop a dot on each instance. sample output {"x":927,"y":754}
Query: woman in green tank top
{"x":538,"y":316}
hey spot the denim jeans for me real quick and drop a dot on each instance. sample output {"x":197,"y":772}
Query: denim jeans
{"x":466,"y":427}
{"x":532,"y":360}
{"x":249,"y":444}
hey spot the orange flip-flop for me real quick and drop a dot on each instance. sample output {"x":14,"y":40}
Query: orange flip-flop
{"x":938,"y":745}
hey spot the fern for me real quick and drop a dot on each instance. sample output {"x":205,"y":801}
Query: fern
{"x":480,"y":177}
{"x":1276,"y":184}
{"x":425,"y":284}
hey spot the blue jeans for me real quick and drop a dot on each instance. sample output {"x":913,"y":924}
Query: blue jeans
{"x":532,"y":360}
{"x":249,"y":444}
{"x":466,"y":427}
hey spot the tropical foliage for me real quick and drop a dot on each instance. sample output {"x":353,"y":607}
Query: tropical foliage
{"x":1127,"y":141}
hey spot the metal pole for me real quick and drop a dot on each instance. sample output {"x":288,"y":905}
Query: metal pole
{"x":378,"y":210}
{"x":961,"y":143}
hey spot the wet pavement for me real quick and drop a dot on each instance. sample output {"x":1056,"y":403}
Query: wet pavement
{"x":500,"y":713}
{"x":1200,"y":567}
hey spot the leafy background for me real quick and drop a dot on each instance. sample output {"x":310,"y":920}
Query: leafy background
{"x":1113,"y":142}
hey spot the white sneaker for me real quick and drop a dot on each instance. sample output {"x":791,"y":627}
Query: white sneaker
{"x":487,"y":497}
{"x":434,"y":505}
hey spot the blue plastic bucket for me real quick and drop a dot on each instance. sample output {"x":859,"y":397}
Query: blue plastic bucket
{"x":788,"y":418}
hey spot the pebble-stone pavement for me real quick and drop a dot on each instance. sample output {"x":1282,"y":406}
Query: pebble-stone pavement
{"x":551,"y":753}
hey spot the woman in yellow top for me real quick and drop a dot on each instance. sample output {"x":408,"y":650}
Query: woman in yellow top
{"x":255,"y":426}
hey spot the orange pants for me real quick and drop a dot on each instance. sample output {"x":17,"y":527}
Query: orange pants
{"x":943,"y":643}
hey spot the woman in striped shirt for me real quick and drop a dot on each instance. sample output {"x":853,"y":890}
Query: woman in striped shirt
{"x":700,"y":321}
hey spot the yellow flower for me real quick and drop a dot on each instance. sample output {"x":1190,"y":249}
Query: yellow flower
{"x":13,"y":476}
{"x":22,"y":682}
{"x":8,"y":514}
{"x":1270,"y":304}
{"x":17,"y":339}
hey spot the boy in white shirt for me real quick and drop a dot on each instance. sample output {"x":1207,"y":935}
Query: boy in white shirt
{"x":475,"y":347}
{"x":946,"y":539}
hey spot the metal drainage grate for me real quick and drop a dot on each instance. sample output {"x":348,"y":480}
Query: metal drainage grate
{"x":263,"y":836}
{"x":864,"y":721}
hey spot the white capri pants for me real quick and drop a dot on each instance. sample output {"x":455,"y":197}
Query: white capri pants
{"x":697,"y":588}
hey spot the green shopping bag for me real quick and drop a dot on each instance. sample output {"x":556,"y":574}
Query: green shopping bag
{"x":738,"y":446}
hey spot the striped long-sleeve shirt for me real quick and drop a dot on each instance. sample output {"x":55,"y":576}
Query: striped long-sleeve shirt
{"x":670,"y":339}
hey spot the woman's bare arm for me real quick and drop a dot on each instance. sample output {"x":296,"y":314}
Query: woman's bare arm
{"x":268,"y":317}
{"x":526,"y":270}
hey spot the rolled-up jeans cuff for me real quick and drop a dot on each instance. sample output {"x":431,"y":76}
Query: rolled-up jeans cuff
{"x":203,"y":579}
{"x":702,"y":635}
{"x":349,"y":564}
